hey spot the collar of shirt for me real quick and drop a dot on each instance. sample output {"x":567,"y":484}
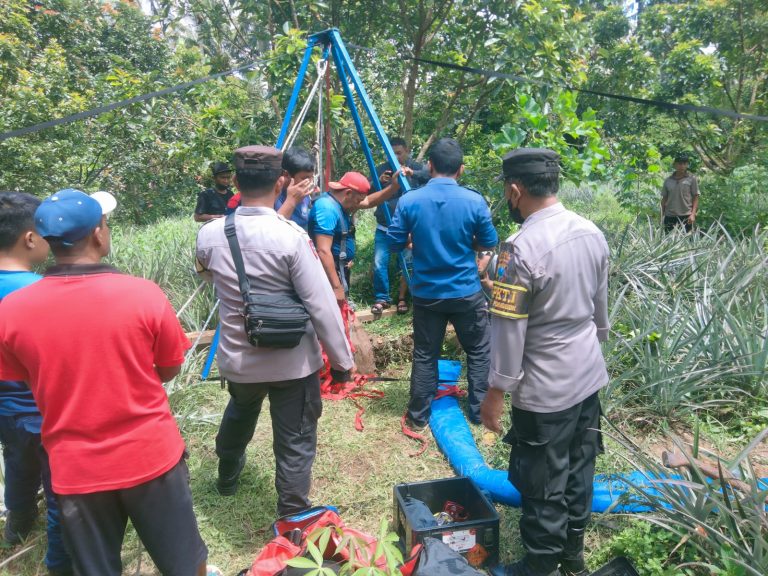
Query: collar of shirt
{"x":440,"y":180}
{"x":80,"y":269}
{"x":254,"y":211}
{"x":542,"y":214}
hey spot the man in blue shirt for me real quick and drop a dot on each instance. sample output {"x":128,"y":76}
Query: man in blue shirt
{"x":332,"y":228}
{"x":295,"y":200}
{"x":26,"y":463}
{"x":448,"y":223}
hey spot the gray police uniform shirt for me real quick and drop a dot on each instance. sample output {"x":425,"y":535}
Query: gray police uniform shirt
{"x":550,"y":312}
{"x":279,"y":257}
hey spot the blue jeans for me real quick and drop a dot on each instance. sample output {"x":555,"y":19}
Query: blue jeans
{"x":26,"y":467}
{"x":381,"y":254}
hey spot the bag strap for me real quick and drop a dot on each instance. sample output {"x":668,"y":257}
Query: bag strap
{"x":237,"y":257}
{"x":342,"y":247}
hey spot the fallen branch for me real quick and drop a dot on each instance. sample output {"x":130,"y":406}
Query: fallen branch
{"x":676,"y":460}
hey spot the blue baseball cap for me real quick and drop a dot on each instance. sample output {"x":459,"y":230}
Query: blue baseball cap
{"x":70,"y":215}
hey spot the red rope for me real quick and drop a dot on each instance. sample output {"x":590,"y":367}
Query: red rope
{"x":442,"y":392}
{"x":331,"y":390}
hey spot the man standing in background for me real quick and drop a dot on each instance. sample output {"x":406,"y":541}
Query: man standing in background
{"x":212,"y":202}
{"x":26,"y":463}
{"x":680,"y":197}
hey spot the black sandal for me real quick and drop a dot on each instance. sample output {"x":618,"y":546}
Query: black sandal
{"x":402,"y":307}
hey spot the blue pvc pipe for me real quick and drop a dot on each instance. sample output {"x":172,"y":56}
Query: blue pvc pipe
{"x":453,"y":436}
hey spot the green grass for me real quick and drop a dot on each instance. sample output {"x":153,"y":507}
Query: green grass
{"x":689,"y":345}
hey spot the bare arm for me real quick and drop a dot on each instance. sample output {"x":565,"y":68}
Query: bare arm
{"x":206,"y":217}
{"x":373,"y":200}
{"x":167,"y":373}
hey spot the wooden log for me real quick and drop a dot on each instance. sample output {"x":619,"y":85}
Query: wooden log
{"x":710,"y":469}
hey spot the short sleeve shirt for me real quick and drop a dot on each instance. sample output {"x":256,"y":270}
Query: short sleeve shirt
{"x":87,"y":339}
{"x":549,"y":312}
{"x":209,"y":201}
{"x":301,"y":213}
{"x":327,"y":218}
{"x":679,"y":194}
{"x":15,"y":396}
{"x":446,"y":222}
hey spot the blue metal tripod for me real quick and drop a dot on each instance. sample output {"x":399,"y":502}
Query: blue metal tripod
{"x":330,"y":41}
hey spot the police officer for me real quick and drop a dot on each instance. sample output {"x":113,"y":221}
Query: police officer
{"x":549,"y":314}
{"x":278,"y":258}
{"x":212,"y":202}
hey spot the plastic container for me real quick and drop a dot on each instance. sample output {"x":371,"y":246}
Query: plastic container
{"x":477,"y":538}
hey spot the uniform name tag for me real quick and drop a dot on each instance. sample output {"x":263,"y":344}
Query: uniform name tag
{"x":510,"y":300}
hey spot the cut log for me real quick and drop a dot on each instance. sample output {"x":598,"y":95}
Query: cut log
{"x":364,"y":359}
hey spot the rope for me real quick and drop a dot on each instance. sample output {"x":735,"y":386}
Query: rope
{"x":443,"y":391}
{"x":189,"y":300}
{"x":322,"y":65}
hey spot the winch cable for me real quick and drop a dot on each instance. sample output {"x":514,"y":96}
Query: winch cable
{"x":322,"y":66}
{"x":97,"y":111}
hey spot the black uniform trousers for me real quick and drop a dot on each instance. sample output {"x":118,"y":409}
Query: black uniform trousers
{"x":469,"y":316}
{"x":295,"y":407}
{"x":552,"y":464}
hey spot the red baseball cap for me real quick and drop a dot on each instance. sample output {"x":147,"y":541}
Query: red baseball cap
{"x":352,"y":180}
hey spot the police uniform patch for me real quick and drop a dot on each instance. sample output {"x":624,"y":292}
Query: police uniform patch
{"x":510,"y":300}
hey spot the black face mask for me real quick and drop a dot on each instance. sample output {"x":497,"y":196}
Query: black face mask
{"x":514,"y":213}
{"x":221,"y":187}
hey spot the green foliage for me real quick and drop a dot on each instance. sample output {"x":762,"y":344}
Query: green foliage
{"x":689,"y":316}
{"x":557,"y":125}
{"x":738,"y":201}
{"x":720,"y":528}
{"x":648,"y":547}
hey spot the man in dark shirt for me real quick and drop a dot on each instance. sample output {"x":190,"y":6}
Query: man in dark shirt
{"x":212,"y":202}
{"x":381,"y":250}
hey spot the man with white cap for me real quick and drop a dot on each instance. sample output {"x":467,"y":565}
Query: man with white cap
{"x":95,"y":346}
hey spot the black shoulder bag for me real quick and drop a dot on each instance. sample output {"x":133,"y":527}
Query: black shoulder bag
{"x":271,"y":320}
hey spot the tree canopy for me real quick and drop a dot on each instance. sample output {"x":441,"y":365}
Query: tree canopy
{"x":59,"y":57}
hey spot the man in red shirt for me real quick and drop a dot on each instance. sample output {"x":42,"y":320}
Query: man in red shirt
{"x":95,"y":347}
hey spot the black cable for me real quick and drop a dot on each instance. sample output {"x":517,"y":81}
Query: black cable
{"x":523,"y":80}
{"x":122,"y":103}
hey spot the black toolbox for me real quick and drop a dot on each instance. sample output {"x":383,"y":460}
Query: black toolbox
{"x":477,"y":538}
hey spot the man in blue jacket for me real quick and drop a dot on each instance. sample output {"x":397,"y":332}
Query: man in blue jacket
{"x":448,"y":224}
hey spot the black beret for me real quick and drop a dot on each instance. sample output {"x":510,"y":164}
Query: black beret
{"x":530,"y":161}
{"x":220,"y":167}
{"x":258,"y":158}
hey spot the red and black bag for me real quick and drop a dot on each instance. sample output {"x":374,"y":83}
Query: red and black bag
{"x":290,"y":541}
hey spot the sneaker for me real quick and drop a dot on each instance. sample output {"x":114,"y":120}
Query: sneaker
{"x":520,"y":568}
{"x":229,"y":476}
{"x":18,"y":525}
